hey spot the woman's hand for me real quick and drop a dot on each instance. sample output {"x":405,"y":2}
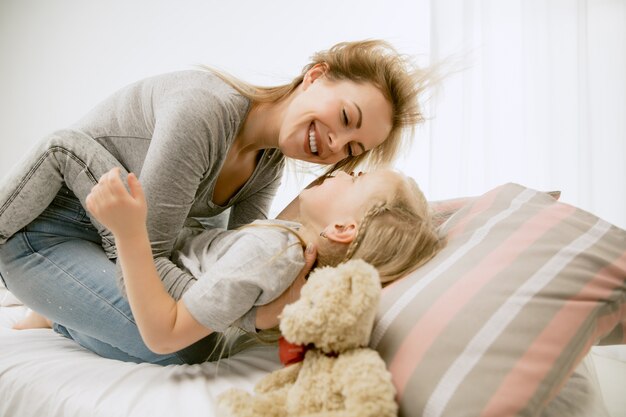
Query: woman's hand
{"x":267,"y":315}
{"x":111,"y":204}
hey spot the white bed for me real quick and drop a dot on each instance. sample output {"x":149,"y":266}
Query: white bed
{"x":439,"y":342}
{"x":44,"y":374}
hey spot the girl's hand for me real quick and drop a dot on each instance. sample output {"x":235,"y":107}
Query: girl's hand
{"x":112,"y":205}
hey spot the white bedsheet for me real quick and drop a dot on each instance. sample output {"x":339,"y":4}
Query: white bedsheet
{"x":42,"y":374}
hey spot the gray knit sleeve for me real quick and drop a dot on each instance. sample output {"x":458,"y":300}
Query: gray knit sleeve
{"x":175,"y":152}
{"x":191,"y":131}
{"x":255,"y":207}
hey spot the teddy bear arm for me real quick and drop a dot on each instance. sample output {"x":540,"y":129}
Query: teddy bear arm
{"x":235,"y":403}
{"x":278,"y":379}
{"x":333,"y":413}
{"x":366,"y":385}
{"x":269,"y":399}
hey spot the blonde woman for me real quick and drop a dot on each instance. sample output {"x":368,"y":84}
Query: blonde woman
{"x":246,"y":276}
{"x":202,"y":142}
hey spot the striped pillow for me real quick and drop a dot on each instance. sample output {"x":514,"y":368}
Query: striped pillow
{"x":497,"y":321}
{"x":443,"y":209}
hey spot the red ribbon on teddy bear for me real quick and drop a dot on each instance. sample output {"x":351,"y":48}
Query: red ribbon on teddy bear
{"x":290,"y":353}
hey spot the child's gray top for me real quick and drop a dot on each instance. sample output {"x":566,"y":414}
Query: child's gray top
{"x":174,"y":131}
{"x":237,"y":270}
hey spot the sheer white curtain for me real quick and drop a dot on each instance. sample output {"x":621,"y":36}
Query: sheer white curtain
{"x":539,"y":98}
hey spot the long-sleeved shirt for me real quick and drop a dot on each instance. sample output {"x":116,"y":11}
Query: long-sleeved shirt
{"x":174,"y":131}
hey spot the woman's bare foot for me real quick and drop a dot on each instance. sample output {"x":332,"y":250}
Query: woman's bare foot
{"x":33,"y":321}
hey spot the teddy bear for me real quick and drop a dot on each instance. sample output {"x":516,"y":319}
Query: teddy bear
{"x":330,"y":325}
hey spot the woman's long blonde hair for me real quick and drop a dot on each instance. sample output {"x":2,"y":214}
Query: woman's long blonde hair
{"x":368,"y":61}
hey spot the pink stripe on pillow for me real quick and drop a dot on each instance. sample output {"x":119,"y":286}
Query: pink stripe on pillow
{"x":516,"y":389}
{"x":604,"y":323}
{"x":479,"y":235}
{"x":478,"y":207}
{"x":442,"y":312}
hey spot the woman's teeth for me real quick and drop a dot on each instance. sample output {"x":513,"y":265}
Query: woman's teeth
{"x":312,"y":143}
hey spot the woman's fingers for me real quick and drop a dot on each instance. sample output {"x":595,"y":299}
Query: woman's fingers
{"x":310,"y":253}
{"x":310,"y":256}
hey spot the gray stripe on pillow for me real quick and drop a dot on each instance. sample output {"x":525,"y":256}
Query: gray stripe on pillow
{"x":477,"y":237}
{"x":477,"y":347}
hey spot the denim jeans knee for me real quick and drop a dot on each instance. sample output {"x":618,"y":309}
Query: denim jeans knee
{"x":67,"y":157}
{"x":56,"y":266}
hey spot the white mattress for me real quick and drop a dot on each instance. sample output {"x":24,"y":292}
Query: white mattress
{"x":44,"y":374}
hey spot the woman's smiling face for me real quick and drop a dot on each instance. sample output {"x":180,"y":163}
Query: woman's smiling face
{"x":328,"y":120}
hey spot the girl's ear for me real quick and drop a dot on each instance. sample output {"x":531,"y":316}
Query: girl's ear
{"x":341,"y":232}
{"x":314,"y":73}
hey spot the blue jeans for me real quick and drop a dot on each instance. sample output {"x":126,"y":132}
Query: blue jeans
{"x":57,"y":266}
{"x":66,"y":157}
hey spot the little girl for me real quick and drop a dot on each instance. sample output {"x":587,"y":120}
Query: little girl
{"x":344,"y":216}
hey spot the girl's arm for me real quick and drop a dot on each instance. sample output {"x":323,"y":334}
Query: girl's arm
{"x":165,"y":325}
{"x":267,"y":315}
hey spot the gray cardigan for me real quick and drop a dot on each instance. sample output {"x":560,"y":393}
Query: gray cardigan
{"x":174,"y":131}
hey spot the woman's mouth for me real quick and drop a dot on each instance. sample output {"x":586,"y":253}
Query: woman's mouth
{"x":312,"y":139}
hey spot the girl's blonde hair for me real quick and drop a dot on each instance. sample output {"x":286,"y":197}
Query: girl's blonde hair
{"x":396,"y":235}
{"x":368,"y":61}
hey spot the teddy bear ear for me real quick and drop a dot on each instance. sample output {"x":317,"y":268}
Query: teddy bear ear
{"x":336,"y":309}
{"x":364,"y":284}
{"x":358,"y":293}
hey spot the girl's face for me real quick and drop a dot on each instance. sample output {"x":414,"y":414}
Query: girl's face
{"x":328,"y":121}
{"x":343,"y":198}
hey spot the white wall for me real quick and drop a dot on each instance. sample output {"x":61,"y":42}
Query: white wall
{"x":59,"y":58}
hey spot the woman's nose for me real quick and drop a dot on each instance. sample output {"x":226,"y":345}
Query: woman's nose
{"x":337,"y":142}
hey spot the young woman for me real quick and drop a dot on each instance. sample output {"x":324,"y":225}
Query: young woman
{"x":344,"y":216}
{"x":202,"y":143}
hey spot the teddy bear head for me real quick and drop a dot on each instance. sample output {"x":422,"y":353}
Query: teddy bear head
{"x":336,"y":309}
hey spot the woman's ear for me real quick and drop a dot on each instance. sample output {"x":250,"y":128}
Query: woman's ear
{"x":341,"y":232}
{"x":314,"y":73}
